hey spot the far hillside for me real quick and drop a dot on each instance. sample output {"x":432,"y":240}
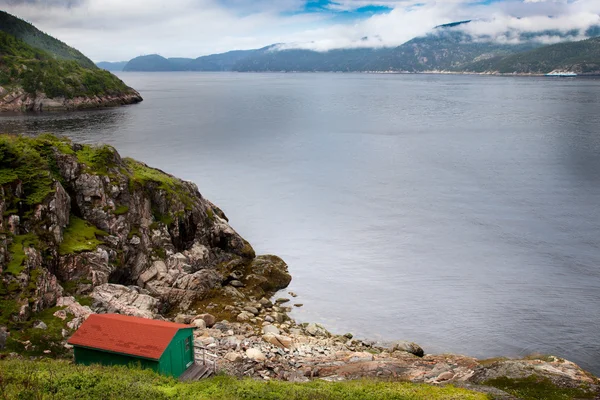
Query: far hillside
{"x":35,"y":38}
{"x":579,"y":57}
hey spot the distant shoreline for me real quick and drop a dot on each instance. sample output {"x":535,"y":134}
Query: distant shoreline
{"x":381,"y":73}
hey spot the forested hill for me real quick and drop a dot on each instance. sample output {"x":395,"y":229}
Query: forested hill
{"x":34,"y":37}
{"x":581,"y":57}
{"x":37,"y":79}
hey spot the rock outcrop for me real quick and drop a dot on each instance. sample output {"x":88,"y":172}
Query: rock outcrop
{"x":129,"y":238}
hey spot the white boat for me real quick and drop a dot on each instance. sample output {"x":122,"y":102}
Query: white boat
{"x":562,"y":74}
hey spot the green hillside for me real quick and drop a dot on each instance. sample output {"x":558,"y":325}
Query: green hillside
{"x":34,"y":37}
{"x":581,"y":57}
{"x":38,"y":71}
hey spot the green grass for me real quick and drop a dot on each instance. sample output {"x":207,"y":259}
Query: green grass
{"x":7,"y":309}
{"x":538,"y":388}
{"x":80,"y":236}
{"x":17,"y":253}
{"x":98,"y":159}
{"x":62,"y":380}
{"x":120,"y":210}
{"x":142,"y":175}
{"x":40,"y":339}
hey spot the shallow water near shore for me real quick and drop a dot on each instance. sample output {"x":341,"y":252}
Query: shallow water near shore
{"x":460,"y":212}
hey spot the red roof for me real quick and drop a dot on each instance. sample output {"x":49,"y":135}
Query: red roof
{"x":135,"y":336}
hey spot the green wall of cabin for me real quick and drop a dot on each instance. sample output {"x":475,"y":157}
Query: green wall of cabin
{"x":86,"y":356}
{"x":174,"y":361}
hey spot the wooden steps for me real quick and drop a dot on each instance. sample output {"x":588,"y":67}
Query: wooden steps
{"x":196,"y":372}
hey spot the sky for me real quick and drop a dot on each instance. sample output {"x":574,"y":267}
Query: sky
{"x":118,"y":30}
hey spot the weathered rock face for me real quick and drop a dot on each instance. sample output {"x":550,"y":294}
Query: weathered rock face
{"x":18,"y":100}
{"x":136,"y":240}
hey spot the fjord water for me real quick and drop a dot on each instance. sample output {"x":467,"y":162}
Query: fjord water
{"x":461,"y":212}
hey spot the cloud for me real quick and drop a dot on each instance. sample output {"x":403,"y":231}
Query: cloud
{"x":116,"y":30}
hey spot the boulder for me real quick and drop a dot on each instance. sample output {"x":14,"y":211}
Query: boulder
{"x":255,"y":354}
{"x":199,"y":323}
{"x":265,"y":303}
{"x":233,"y":356}
{"x":268,"y":274}
{"x":281,"y":341}
{"x":252,"y":310}
{"x":208,"y":318}
{"x":183,"y":319}
{"x":408,"y":347}
{"x":317,"y":330}
{"x":244,"y":316}
{"x":270,"y":329}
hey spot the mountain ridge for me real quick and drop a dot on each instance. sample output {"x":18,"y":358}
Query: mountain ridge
{"x":447,"y":47}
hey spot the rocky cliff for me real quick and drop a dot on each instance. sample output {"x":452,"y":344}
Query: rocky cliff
{"x":114,"y":233}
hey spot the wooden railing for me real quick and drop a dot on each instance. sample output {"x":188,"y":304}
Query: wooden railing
{"x":209,"y":359}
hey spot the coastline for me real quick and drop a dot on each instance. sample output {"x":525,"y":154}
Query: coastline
{"x":122,"y":237}
{"x":17,"y":100}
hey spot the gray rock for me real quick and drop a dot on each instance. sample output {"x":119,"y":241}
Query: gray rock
{"x":317,"y":330}
{"x":40,"y":325}
{"x":209,"y":319}
{"x":266,"y":303}
{"x":183,"y":319}
{"x":236,"y":284}
{"x":281,"y":300}
{"x":270,"y":329}
{"x":233,"y":357}
{"x":252,"y":310}
{"x":3,"y":337}
{"x":244,"y":316}
{"x":255,"y":354}
{"x":408,"y":347}
{"x":199,"y":323}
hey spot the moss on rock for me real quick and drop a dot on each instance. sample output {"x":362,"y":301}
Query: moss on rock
{"x":80,"y":236}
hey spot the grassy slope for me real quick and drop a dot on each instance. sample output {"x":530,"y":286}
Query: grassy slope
{"x":38,"y":71}
{"x":34,"y":37}
{"x":580,"y":57}
{"x":63,"y":380}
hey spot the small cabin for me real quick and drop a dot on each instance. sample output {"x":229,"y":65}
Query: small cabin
{"x":113,"y":339}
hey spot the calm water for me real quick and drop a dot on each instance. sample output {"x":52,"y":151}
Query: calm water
{"x":459,"y":212}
